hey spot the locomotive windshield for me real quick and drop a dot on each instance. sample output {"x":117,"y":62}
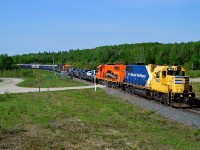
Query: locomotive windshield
{"x":171,"y":72}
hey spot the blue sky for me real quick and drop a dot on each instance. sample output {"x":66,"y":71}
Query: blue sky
{"x":32,"y":26}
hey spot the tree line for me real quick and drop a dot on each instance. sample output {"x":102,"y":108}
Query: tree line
{"x":186,"y":54}
{"x":6,"y":62}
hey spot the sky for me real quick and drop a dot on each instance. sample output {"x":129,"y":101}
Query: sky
{"x":32,"y":26}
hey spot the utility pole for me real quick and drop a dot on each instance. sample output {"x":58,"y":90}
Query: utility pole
{"x":95,"y":84}
{"x":54,"y":67}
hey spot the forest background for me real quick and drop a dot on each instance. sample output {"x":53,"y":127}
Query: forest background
{"x":186,"y":54}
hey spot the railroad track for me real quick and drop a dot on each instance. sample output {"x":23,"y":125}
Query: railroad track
{"x":195,"y":111}
{"x":183,"y":107}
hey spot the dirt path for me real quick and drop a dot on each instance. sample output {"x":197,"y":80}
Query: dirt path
{"x":9,"y":86}
{"x":195,"y":79}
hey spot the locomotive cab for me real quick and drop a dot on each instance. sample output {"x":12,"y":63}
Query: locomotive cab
{"x":181,"y":87}
{"x":171,"y":81}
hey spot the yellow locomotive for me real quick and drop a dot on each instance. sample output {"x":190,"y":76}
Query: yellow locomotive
{"x":169,"y":83}
{"x":166,"y":84}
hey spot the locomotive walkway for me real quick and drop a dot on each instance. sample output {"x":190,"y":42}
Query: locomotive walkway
{"x":9,"y":86}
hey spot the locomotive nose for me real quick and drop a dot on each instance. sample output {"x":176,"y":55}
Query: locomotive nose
{"x":182,"y":84}
{"x":182,"y":80}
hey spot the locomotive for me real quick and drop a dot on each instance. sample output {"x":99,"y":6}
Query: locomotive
{"x":111,"y":75}
{"x":166,"y":84}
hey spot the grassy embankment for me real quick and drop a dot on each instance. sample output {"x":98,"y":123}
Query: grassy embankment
{"x":1,"y":80}
{"x":39,"y":78}
{"x":196,"y":85}
{"x":85,"y":119}
{"x":196,"y":89}
{"x":193,"y":73}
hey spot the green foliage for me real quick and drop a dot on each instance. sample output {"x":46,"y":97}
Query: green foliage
{"x":193,"y":73}
{"x":28,"y":73}
{"x":85,"y":119}
{"x":187,"y":54}
{"x":196,"y":89}
{"x":6,"y":62}
{"x":155,"y":53}
{"x":17,"y":73}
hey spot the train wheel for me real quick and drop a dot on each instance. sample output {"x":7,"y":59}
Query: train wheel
{"x":166,"y":99}
{"x":152,"y":95}
{"x":191,"y":102}
{"x":158,"y":98}
{"x":109,"y":84}
{"x":132,"y":90}
{"x":115,"y":85}
{"x":105,"y":83}
{"x":181,"y":101}
{"x":123,"y":87}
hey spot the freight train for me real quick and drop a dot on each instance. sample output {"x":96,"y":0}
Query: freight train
{"x":166,"y":84}
{"x":72,"y":72}
{"x":57,"y":68}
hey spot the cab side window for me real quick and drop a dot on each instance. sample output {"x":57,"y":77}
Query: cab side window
{"x":170,"y":72}
{"x":157,"y":74}
{"x":164,"y":74}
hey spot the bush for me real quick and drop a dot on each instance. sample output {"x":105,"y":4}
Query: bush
{"x":27,"y":73}
{"x":17,"y":73}
{"x":193,"y":73}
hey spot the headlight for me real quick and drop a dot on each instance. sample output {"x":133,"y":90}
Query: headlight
{"x":190,"y":95}
{"x":181,"y":95}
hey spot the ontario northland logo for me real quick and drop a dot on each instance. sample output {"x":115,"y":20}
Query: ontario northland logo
{"x":137,"y":75}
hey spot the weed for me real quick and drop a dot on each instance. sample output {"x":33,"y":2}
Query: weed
{"x":6,"y":96}
{"x":2,"y":98}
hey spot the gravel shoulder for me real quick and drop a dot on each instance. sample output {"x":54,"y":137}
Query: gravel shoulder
{"x":195,"y":79}
{"x":168,"y":112}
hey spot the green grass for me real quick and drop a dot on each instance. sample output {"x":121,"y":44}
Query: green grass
{"x":85,"y":119}
{"x":193,"y":73}
{"x":49,"y":82}
{"x":196,"y":88}
{"x":1,"y":80}
{"x":40,"y":78}
{"x":28,"y":73}
{"x":17,"y":73}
